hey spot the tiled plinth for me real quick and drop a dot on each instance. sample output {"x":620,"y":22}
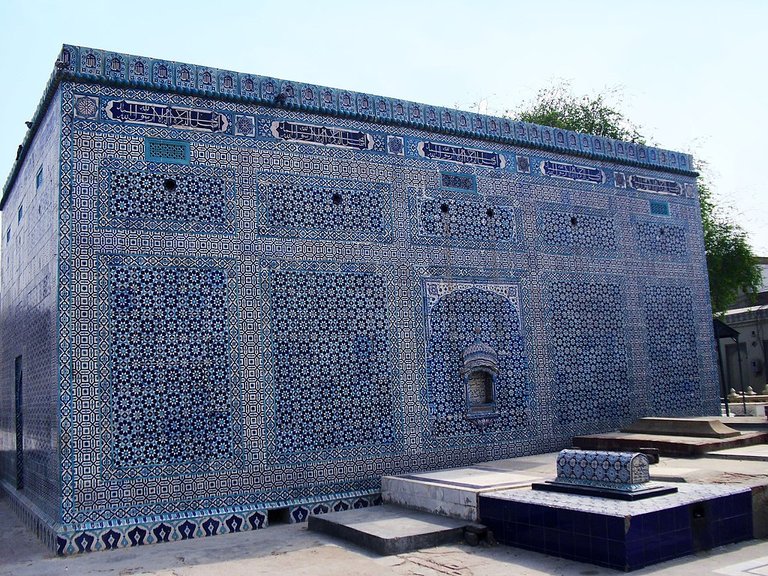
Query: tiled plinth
{"x":618,"y":534}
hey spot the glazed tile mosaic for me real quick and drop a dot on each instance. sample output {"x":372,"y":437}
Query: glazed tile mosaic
{"x":620,"y":535}
{"x":229,"y":300}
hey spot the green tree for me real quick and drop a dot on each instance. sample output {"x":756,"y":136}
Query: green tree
{"x":558,"y":107}
{"x":731,"y":263}
{"x":732,"y":266}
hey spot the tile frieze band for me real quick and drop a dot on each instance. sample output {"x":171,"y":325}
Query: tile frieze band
{"x":460,"y":155}
{"x":171,"y":116}
{"x":322,"y":135}
{"x":572,"y":172}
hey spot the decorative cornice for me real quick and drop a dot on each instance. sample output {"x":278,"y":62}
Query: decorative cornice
{"x":123,"y":70}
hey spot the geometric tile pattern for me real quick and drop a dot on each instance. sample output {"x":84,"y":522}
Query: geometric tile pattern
{"x":455,"y":321}
{"x":304,"y":301}
{"x":571,"y":232}
{"x":661,"y":239}
{"x":317,"y":207}
{"x":589,"y":356}
{"x":619,"y":470}
{"x":170,"y":367}
{"x":171,"y":395}
{"x":150,"y":196}
{"x":162,"y":197}
{"x":672,"y":356}
{"x":468,"y":221}
{"x":332,"y":376}
{"x":29,"y":328}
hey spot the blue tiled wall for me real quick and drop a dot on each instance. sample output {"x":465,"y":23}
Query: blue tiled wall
{"x":29,"y":323}
{"x":290,"y":301}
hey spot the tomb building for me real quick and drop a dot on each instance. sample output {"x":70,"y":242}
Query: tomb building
{"x":229,"y":300}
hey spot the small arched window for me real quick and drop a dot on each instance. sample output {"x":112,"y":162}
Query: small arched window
{"x":479,"y":369}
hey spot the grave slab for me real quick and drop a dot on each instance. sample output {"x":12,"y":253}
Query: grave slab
{"x":389,"y":529}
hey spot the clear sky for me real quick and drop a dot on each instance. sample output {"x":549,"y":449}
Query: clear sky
{"x":693,"y":74}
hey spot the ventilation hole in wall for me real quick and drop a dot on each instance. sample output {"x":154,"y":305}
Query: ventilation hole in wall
{"x":278,"y":516}
{"x":490,"y":213}
{"x":662,"y":231}
{"x":444,"y":208}
{"x":336,"y":198}
{"x":169,"y":184}
{"x":574,"y":221}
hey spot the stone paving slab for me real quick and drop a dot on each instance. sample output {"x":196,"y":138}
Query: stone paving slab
{"x":671,"y":473}
{"x":758,"y":566}
{"x":452,"y":492}
{"x":389,"y":529}
{"x":473,"y":478}
{"x":758,"y":452}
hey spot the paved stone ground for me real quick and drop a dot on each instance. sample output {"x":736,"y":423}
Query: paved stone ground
{"x":289,"y":550}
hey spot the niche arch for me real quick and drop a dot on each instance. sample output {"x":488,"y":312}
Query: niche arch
{"x":476,"y":361}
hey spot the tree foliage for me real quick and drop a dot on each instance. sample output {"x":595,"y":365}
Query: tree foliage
{"x":732,"y":265}
{"x":558,"y":107}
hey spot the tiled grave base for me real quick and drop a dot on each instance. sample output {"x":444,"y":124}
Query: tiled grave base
{"x":618,"y":534}
{"x":168,"y":528}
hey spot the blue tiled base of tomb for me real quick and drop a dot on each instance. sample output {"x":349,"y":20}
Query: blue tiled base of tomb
{"x":617,"y":534}
{"x":65,"y":540}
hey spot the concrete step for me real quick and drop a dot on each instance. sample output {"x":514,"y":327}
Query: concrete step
{"x":677,"y":446}
{"x":390,"y":530}
{"x":453,"y":492}
{"x":757,"y":453}
{"x":746,"y":423}
{"x":695,"y":427}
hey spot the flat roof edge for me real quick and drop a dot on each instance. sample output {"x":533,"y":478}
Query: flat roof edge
{"x":116,"y":69}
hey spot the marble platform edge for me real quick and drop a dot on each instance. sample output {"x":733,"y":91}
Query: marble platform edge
{"x":688,"y":493}
{"x":386,"y":541}
{"x":691,"y":427}
{"x":463,"y":486}
{"x":675,"y":446}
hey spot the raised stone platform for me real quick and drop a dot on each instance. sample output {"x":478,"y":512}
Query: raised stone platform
{"x":667,"y":445}
{"x":390,"y":530}
{"x":452,"y":492}
{"x":757,"y":453}
{"x":746,"y":423}
{"x":620,"y":534}
{"x":695,"y":427}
